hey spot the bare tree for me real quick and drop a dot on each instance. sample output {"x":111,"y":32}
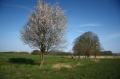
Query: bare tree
{"x":46,"y":27}
{"x":87,"y":43}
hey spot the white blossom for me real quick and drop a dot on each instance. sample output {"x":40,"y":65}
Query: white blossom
{"x":46,"y":26}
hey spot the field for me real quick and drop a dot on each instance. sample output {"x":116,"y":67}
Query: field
{"x":26,"y":66}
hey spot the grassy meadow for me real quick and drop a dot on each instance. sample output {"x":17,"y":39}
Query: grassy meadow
{"x":26,"y":66}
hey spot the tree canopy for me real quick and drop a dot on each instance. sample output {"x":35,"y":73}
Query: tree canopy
{"x":86,"y":44}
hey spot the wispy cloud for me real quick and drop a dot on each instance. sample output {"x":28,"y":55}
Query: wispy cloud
{"x":90,"y":25}
{"x":114,"y":35}
{"x":80,"y":31}
{"x":18,"y":6}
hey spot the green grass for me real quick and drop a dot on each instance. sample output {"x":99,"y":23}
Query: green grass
{"x":65,"y":68}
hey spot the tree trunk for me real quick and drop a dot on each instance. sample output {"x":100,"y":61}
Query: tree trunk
{"x":42,"y":55}
{"x":85,"y":56}
{"x":95,"y":55}
{"x":79,"y":58}
{"x":90,"y":56}
{"x":72,"y":57}
{"x":42,"y":59}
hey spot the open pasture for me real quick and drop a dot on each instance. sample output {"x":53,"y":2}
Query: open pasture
{"x":26,"y":66}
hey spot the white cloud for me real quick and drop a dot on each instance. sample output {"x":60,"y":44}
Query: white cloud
{"x":18,"y":6}
{"x":91,"y":25}
{"x":114,"y":35}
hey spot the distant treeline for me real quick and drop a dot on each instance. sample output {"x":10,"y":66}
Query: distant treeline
{"x":61,"y":53}
{"x":16,"y":52}
{"x":37,"y":52}
{"x":101,"y":53}
{"x":109,"y":53}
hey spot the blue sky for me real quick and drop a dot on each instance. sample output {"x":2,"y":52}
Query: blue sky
{"x":99,"y":16}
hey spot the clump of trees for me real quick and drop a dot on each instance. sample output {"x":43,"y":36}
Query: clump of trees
{"x":46,"y":28}
{"x":86,"y":44}
{"x":35,"y":52}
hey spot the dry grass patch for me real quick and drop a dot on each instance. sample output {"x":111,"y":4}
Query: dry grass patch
{"x":61,"y":65}
{"x":78,"y":64}
{"x":95,"y":60}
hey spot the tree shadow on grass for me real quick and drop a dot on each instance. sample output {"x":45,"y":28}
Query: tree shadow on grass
{"x":21,"y":61}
